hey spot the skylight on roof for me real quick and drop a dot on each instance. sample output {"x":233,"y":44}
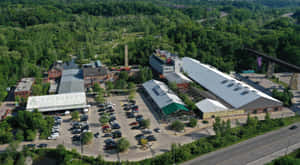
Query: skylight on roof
{"x":230,"y":85}
{"x":224,"y":81}
{"x":238,"y":88}
{"x":245,"y":92}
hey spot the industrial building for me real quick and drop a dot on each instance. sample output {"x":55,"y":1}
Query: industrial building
{"x":164,"y":62}
{"x":58,"y":102}
{"x":55,"y":71}
{"x":179,"y":79}
{"x":235,"y":93}
{"x":23,"y":88}
{"x":211,"y":108}
{"x":165,"y":99}
{"x":71,"y":81}
{"x":95,"y":75}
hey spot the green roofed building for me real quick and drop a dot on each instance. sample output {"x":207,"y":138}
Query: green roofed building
{"x":164,"y":98}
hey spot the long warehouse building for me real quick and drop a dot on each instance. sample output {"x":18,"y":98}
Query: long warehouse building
{"x":234,"y":92}
{"x":58,"y":102}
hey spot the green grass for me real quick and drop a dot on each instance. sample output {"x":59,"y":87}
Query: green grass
{"x":277,"y":81}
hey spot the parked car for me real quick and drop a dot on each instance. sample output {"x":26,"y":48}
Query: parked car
{"x":135,"y":110}
{"x":126,"y":108}
{"x":101,"y":110}
{"x":134,"y":123}
{"x":139,"y":136}
{"x":125,"y":105}
{"x":116,"y":134}
{"x":293,"y":127}
{"x":130,"y":114}
{"x":107,"y":135}
{"x":111,"y":110}
{"x":42,"y":145}
{"x":116,"y":126}
{"x":147,"y":131}
{"x":157,"y":130}
{"x":76,"y":131}
{"x":105,"y":126}
{"x":84,"y":118}
{"x":76,"y":138}
{"x":30,"y":145}
{"x":139,"y":118}
{"x":112,"y":119}
{"x":136,"y":127}
{"x":151,"y":138}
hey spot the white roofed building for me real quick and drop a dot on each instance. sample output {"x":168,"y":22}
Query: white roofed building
{"x":58,"y":102}
{"x":234,"y":92}
{"x":211,"y":108}
{"x":163,"y":97}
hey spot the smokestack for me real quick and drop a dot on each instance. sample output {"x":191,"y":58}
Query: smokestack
{"x":126,"y":55}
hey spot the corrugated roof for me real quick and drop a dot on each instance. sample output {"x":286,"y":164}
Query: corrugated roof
{"x":57,"y":102}
{"x":161,"y":94}
{"x":173,"y":107}
{"x":208,"y":105}
{"x":232,"y":91}
{"x":71,"y":81}
{"x":177,"y":78}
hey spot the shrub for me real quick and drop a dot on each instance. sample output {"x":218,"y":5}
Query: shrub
{"x":123,"y":144}
{"x":177,"y":126}
{"x":193,"y":122}
{"x":87,"y":137}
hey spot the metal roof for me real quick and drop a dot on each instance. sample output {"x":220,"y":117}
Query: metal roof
{"x":161,"y":94}
{"x":209,"y":105}
{"x":57,"y":102}
{"x":71,"y":81}
{"x":177,"y":78}
{"x":232,"y":91}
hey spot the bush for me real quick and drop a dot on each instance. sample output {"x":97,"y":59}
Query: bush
{"x":87,"y":137}
{"x":75,"y":115}
{"x":145,"y":123}
{"x":19,"y":135}
{"x":193,"y":122}
{"x":177,"y":126}
{"x":204,"y":121}
{"x":122,"y":145}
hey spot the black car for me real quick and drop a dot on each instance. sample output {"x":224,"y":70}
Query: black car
{"x":126,"y":108}
{"x":293,"y":127}
{"x":139,"y":136}
{"x":84,"y":118}
{"x":85,"y":127}
{"x":139,"y":118}
{"x":30,"y":145}
{"x":76,"y":138}
{"x":136,"y":127}
{"x":115,"y":126}
{"x":116,"y":134}
{"x":112,"y":119}
{"x":77,"y":131}
{"x":101,"y":110}
{"x":107,"y":135}
{"x":42,"y":145}
{"x":130,"y":114}
{"x":151,"y":138}
{"x":111,"y":110}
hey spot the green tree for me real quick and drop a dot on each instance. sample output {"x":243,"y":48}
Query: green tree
{"x":123,"y":75}
{"x":177,"y":126}
{"x":122,"y":145}
{"x":30,"y":134}
{"x":193,"y":122}
{"x":100,"y":99}
{"x":145,"y":123}
{"x":19,"y":135}
{"x":87,"y":137}
{"x":75,"y":115}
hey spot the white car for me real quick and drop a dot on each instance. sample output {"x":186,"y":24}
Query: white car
{"x":52,"y":137}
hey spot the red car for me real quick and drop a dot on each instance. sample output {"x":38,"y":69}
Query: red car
{"x":135,"y":109}
{"x":105,"y":126}
{"x":134,"y":124}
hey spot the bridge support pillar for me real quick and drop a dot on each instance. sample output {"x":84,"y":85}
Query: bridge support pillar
{"x":294,"y":82}
{"x":270,"y":71}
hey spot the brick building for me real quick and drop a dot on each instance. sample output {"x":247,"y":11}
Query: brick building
{"x":23,"y":88}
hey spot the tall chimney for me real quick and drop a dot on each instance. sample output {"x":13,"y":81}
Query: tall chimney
{"x":126,"y":55}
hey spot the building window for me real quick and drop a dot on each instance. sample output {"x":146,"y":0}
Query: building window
{"x":265,"y":110}
{"x":276,"y":109}
{"x":255,"y":111}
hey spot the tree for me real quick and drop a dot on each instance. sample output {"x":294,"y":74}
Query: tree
{"x":193,"y":122}
{"x":109,"y":85}
{"x":122,"y":145}
{"x":177,"y":126}
{"x":144,"y":142}
{"x":145,"y":123}
{"x":19,"y":135}
{"x":87,"y":137}
{"x":104,"y":118}
{"x":132,"y":95}
{"x":123,"y":75}
{"x":100,"y":99}
{"x":30,"y":135}
{"x":75,"y":115}
{"x":98,"y":89}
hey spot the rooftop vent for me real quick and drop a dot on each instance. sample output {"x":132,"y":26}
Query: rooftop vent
{"x":245,"y":92}
{"x":224,"y":81}
{"x":230,"y":85}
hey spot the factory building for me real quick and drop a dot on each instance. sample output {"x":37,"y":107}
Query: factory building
{"x":58,"y":102}
{"x":95,"y":75}
{"x":71,"y":81}
{"x":164,"y":62}
{"x":23,"y":88}
{"x":166,"y":100}
{"x":211,"y":108}
{"x":235,"y":93}
{"x":179,"y":79}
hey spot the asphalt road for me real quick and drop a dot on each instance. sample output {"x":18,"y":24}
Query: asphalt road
{"x":251,"y":150}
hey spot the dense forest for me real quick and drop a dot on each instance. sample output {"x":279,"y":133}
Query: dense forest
{"x":35,"y":33}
